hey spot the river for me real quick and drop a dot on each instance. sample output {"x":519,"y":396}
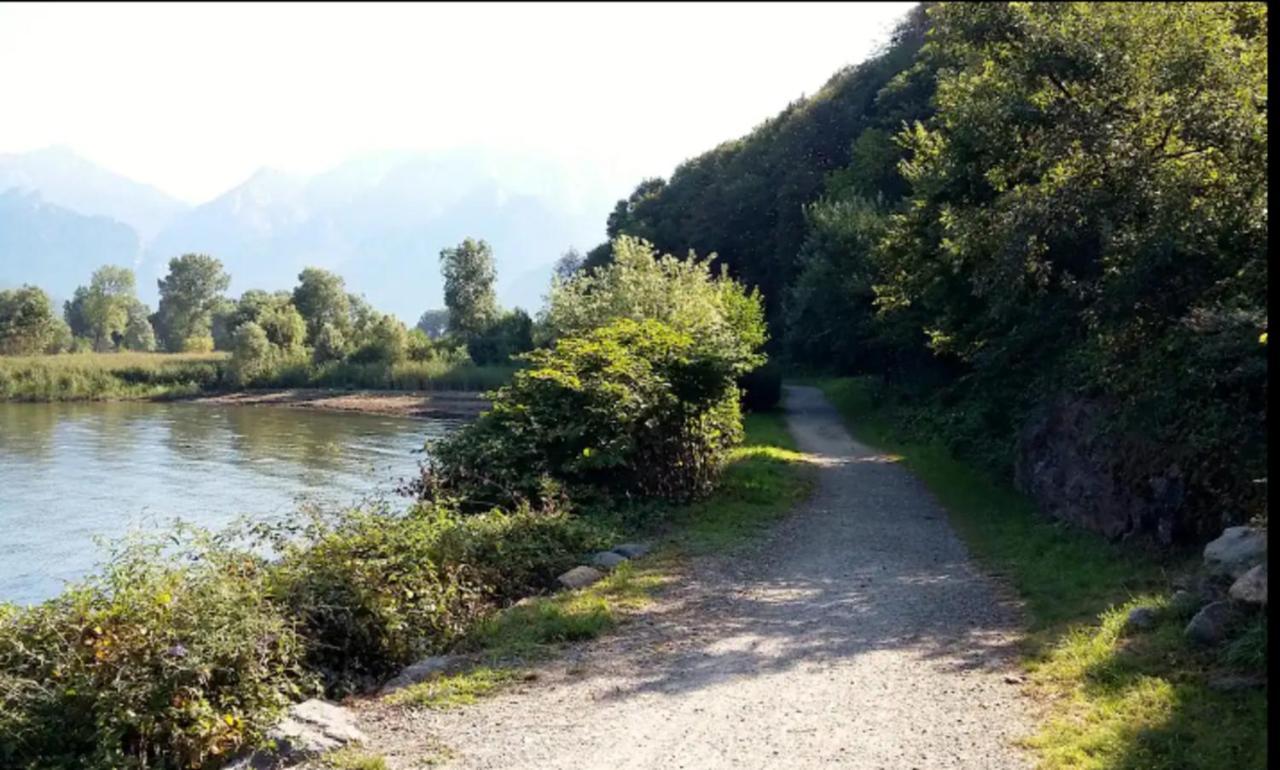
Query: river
{"x":70,"y":472}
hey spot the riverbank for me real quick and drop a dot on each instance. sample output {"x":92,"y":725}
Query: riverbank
{"x":420,"y":403}
{"x":406,"y":388}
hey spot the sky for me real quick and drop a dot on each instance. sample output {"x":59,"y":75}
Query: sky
{"x":194,"y":98}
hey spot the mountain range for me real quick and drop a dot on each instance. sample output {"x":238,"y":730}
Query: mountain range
{"x":379,"y":220}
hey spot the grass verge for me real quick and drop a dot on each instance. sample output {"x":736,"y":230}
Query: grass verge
{"x":1113,"y":698}
{"x":765,"y":478}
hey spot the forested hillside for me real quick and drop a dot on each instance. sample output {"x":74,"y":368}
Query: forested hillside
{"x":1045,"y":226}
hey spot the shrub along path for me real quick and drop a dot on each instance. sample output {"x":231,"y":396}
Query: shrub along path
{"x":856,"y":633}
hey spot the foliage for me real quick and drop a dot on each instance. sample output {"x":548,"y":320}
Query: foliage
{"x":510,"y":335}
{"x":189,"y":294}
{"x":469,"y":276}
{"x":374,"y":591}
{"x":321,"y":298}
{"x":330,"y":344}
{"x":138,"y":333}
{"x":725,"y":321}
{"x":104,"y":306}
{"x":633,"y":408}
{"x":1093,"y":216}
{"x":383,"y":339}
{"x":434,"y":323}
{"x":28,"y":323}
{"x":745,"y":199}
{"x":165,"y":660}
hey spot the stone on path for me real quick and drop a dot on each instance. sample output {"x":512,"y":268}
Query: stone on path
{"x":607,"y":559}
{"x":419,"y":671}
{"x":580,"y":577}
{"x":308,"y":730}
{"x":1236,"y":551}
{"x":632,"y":550}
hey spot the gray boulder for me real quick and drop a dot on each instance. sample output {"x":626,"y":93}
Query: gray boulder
{"x":308,"y":730}
{"x":419,"y":671}
{"x":1141,"y":618}
{"x":1251,"y":587}
{"x":1211,"y":624}
{"x":607,"y":559}
{"x":632,"y":550}
{"x":580,"y":577}
{"x":1236,"y":551}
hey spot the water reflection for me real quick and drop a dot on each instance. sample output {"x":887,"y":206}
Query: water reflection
{"x":70,"y":471}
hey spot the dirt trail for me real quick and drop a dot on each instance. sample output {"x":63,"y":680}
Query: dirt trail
{"x":857,"y":634}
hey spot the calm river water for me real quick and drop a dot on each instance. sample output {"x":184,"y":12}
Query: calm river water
{"x":71,"y":471}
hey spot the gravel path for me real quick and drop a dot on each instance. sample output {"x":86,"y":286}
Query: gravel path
{"x":856,"y":634}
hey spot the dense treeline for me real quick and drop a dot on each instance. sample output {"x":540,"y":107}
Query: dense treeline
{"x":1017,"y":206}
{"x":318,"y":334}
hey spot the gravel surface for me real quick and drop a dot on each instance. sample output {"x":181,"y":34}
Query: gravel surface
{"x":857,"y":634}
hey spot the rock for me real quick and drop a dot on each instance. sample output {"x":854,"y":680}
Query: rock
{"x":1141,"y":618}
{"x":1232,"y":682}
{"x":607,"y":559}
{"x":308,"y":729}
{"x":1078,"y":471}
{"x":1251,"y":587}
{"x":419,"y":671}
{"x":632,"y":550}
{"x":1183,"y":602}
{"x":1211,"y":624}
{"x":580,"y":577}
{"x":1238,"y":550}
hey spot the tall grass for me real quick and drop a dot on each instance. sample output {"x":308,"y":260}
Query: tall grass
{"x":101,"y":376}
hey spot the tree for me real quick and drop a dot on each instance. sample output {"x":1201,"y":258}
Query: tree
{"x":105,"y":306}
{"x":321,"y":298}
{"x":188,"y":296}
{"x":569,"y":263}
{"x":28,"y":324}
{"x":719,"y":313}
{"x":138,"y":333}
{"x":384,"y":340}
{"x":284,"y":327}
{"x":508,"y":336}
{"x":469,"y":295}
{"x":434,"y":323}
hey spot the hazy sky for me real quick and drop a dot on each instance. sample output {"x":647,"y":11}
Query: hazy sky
{"x":194,"y":98}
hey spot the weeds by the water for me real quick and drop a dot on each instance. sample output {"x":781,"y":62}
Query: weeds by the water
{"x":1116,"y":699}
{"x":102,"y":376}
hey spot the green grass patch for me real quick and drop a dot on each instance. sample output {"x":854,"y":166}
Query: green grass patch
{"x":1115,"y":699}
{"x":766,"y":477}
{"x":352,"y":758}
{"x":453,"y":690}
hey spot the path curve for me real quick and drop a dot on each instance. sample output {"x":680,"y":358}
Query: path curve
{"x":856,"y":634}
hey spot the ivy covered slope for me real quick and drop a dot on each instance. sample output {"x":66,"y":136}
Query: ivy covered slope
{"x":1046,"y":225}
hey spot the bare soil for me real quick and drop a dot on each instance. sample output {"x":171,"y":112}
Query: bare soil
{"x":857,"y":634}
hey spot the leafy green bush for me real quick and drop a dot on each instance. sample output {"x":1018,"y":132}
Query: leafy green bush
{"x":163,"y":661}
{"x":724,"y":320}
{"x":372,"y":591}
{"x":628,"y":409}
